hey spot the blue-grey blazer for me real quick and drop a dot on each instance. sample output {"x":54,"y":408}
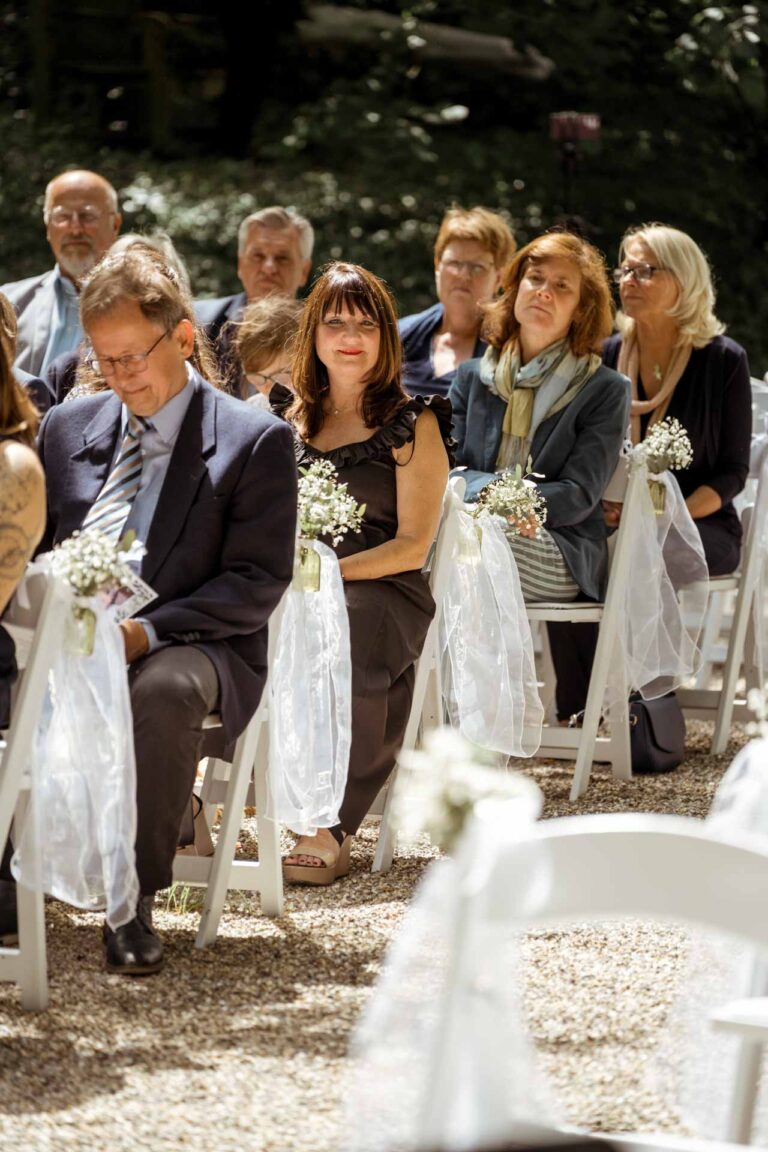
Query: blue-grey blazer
{"x":576,"y":451}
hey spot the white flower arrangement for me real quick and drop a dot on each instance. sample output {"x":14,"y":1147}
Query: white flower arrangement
{"x":515,"y":498}
{"x":91,"y":562}
{"x":667,"y":445}
{"x":325,"y":506}
{"x":440,"y":786}
{"x":758,"y":704}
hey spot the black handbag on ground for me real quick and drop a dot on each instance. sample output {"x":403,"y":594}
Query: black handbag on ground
{"x":656,"y":733}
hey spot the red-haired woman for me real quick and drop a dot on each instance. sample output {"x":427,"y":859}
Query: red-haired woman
{"x":540,"y":390}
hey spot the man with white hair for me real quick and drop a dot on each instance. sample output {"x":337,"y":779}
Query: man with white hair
{"x":274,"y":255}
{"x":81,"y":219}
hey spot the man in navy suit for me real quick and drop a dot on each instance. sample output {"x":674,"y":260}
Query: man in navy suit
{"x":81,"y":220}
{"x":274,"y":255}
{"x":216,"y":509}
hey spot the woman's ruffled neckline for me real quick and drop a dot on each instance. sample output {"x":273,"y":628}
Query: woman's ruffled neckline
{"x":393,"y":435}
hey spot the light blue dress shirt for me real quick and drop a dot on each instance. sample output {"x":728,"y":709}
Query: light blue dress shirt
{"x":157,"y":444}
{"x":66,"y":332}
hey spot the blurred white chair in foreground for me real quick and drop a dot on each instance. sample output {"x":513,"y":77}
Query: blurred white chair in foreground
{"x":442,"y":1058}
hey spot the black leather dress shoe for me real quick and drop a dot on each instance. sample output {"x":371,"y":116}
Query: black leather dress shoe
{"x":134,"y":949}
{"x":9,"y":924}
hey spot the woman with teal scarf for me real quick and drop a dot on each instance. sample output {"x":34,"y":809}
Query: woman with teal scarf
{"x":540,"y":391}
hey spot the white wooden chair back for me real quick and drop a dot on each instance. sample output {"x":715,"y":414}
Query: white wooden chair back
{"x":723,"y":704}
{"x":583,"y":742}
{"x":759,"y":405}
{"x":36,"y":620}
{"x":234,"y":786}
{"x":577,"y":869}
{"x":427,"y":704}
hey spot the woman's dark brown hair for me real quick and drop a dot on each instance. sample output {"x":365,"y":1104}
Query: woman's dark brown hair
{"x":19,"y":417}
{"x":593,"y":319}
{"x":356,"y":289}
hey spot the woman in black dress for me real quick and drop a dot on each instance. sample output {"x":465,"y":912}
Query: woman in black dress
{"x":22,"y":520}
{"x":350,"y":408}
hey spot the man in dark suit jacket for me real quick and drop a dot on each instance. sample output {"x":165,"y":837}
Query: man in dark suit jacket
{"x":274,"y":254}
{"x":216,"y":509}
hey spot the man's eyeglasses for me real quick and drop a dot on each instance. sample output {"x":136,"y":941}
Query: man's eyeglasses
{"x":265,"y":379}
{"x":641,"y":272}
{"x":132,"y":364}
{"x":456,"y":267}
{"x":63,"y":217}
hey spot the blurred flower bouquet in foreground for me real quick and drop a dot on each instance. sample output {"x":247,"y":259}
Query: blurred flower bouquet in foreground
{"x":325,"y":509}
{"x":440,"y":786}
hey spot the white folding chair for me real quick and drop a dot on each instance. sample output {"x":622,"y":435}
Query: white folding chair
{"x":583,"y":743}
{"x":234,"y":786}
{"x":36,"y":620}
{"x":722,"y":704}
{"x":578,"y":869}
{"x":427,"y":704}
{"x":759,"y":405}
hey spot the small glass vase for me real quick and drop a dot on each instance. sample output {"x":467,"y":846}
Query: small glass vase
{"x":469,"y":553}
{"x":80,"y":634}
{"x":658,"y":491}
{"x":306,"y":567}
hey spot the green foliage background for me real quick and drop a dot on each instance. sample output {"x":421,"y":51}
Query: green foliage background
{"x":373,"y":146}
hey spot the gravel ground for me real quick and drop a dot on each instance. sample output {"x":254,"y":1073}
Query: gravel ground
{"x":241,"y":1047}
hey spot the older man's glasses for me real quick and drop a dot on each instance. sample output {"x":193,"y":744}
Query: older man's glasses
{"x":457,"y":267}
{"x":131,"y":363}
{"x":640,"y":272}
{"x":65,"y":217}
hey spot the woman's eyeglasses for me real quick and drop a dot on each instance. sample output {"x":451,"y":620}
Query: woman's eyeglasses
{"x":640,"y":272}
{"x":262,"y":379}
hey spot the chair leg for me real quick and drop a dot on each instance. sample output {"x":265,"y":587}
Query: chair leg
{"x":744,"y":1092}
{"x":618,"y":726}
{"x":741,"y":619}
{"x":595,"y":696}
{"x":33,"y":981}
{"x":218,"y":880}
{"x":387,"y":839}
{"x":270,"y":862}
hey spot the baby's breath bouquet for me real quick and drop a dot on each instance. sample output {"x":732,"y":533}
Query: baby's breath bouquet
{"x":325,"y":509}
{"x":667,"y":445}
{"x":92,"y":563}
{"x":515,"y":497}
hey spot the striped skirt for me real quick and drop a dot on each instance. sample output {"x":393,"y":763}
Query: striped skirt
{"x":544,"y":574}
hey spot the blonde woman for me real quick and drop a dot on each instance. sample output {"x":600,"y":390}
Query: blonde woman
{"x":673,"y":349}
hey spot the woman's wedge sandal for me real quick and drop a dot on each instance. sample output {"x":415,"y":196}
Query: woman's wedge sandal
{"x":334,"y":866}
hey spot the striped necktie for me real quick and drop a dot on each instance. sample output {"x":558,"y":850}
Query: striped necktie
{"x":110,"y":510}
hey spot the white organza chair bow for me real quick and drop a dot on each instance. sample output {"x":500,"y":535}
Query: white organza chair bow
{"x":441,"y":1058}
{"x":649,"y":622}
{"x":291,"y":762}
{"x":477,"y":662}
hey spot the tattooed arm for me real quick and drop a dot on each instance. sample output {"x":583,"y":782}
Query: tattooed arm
{"x":22,"y":513}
